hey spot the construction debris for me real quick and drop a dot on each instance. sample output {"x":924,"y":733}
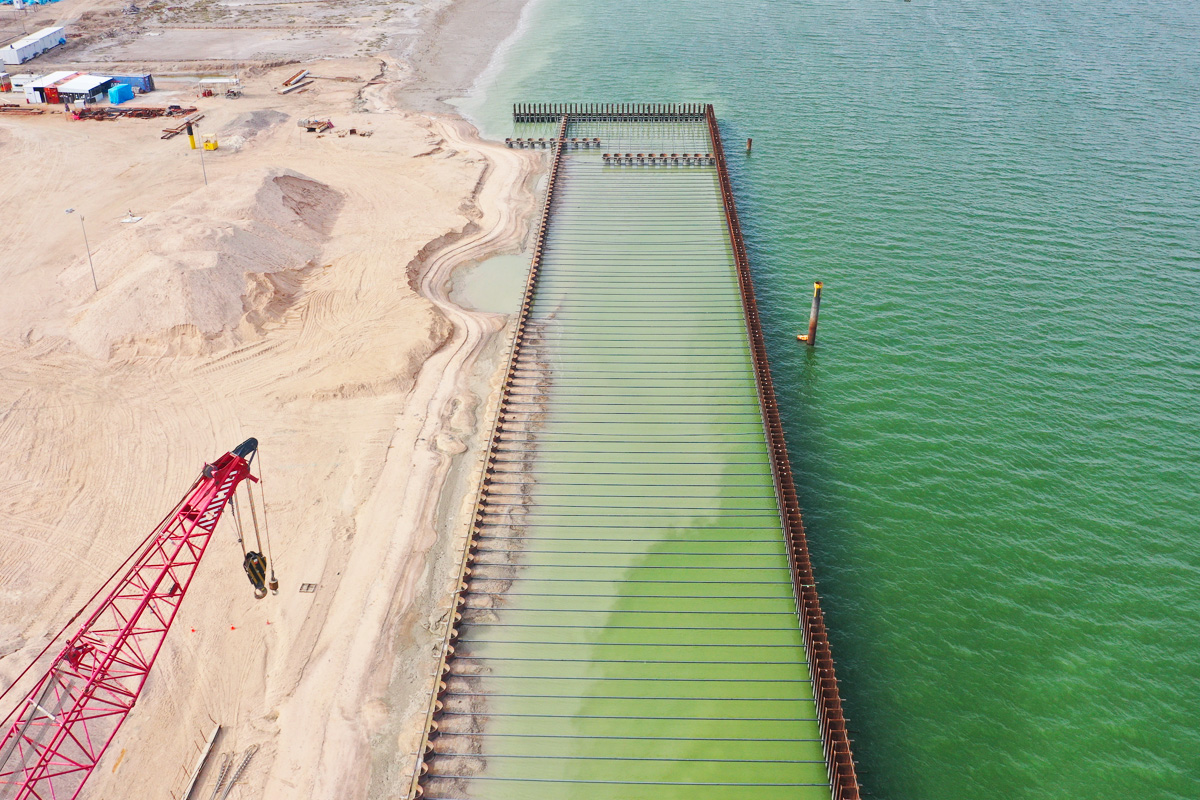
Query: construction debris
{"x":14,"y":108}
{"x":187,"y":793}
{"x":296,"y":87}
{"x":304,"y":78}
{"x":169,"y":133}
{"x":315,"y":125}
{"x":241,"y":768}
{"x":299,"y":76}
{"x":226,"y":763}
{"x":134,"y":112}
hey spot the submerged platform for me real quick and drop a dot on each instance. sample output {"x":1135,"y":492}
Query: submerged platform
{"x":638,"y":615}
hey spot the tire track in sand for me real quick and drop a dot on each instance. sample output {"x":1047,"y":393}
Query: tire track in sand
{"x":404,"y":507}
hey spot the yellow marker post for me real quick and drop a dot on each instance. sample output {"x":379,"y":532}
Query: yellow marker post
{"x":191,"y":136}
{"x":811,"y":337}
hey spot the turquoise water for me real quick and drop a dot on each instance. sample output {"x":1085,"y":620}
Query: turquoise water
{"x":996,"y":440}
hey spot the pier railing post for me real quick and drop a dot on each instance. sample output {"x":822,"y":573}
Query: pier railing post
{"x":838,"y":761}
{"x":450,"y":637}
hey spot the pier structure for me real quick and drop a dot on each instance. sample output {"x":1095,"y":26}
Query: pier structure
{"x":609,"y":112}
{"x":637,"y":616}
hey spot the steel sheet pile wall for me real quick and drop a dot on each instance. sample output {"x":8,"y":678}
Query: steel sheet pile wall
{"x":625,"y":625}
{"x":432,"y":727}
{"x":816,"y":640}
{"x":608,"y":112}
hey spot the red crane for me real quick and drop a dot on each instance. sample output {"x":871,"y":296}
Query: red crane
{"x":55,"y":737}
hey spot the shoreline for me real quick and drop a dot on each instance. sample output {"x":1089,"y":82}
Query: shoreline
{"x":437,"y":442}
{"x":465,"y":385}
{"x":457,"y":49}
{"x":468,"y":407}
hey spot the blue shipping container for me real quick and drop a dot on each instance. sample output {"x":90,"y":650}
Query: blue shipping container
{"x":143,"y":83}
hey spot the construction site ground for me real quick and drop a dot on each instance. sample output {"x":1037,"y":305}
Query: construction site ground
{"x":302,"y":297}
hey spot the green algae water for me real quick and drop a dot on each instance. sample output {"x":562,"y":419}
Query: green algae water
{"x":996,"y":440}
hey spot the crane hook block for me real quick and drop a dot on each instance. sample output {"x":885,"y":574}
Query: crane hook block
{"x":256,"y":570}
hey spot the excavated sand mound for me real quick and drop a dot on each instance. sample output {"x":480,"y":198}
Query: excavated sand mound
{"x":249,"y":126}
{"x":210,"y":270}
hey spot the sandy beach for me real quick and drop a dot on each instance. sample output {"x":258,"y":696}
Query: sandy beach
{"x":302,"y":297}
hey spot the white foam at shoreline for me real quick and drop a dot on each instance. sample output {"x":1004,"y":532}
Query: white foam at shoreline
{"x":476,"y":97}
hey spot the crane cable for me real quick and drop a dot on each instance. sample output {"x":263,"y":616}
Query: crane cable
{"x":274,"y":584}
{"x":254,"y":518}
{"x":237,"y":521}
{"x":253,"y":561}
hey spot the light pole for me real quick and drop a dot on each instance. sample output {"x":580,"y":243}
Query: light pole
{"x":202,"y":169}
{"x":87,"y":247}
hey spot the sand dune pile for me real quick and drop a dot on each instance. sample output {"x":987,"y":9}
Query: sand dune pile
{"x":249,"y":126}
{"x":209,"y":271}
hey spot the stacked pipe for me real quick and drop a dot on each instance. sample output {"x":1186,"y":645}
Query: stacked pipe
{"x":835,"y":739}
{"x":433,"y":714}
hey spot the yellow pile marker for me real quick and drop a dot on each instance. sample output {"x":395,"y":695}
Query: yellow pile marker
{"x":811,"y":337}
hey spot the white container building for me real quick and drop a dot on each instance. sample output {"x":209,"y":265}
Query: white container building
{"x":35,"y":90}
{"x":84,"y":88}
{"x":32,"y":45}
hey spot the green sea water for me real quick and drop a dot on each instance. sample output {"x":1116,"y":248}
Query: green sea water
{"x":996,"y":441}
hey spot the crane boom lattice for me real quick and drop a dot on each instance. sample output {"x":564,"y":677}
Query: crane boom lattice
{"x":55,"y":737}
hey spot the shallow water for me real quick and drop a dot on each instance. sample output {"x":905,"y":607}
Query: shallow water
{"x":630,"y":629}
{"x":496,"y":284}
{"x":996,"y":440}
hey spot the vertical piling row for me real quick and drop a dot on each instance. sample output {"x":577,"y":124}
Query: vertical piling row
{"x":469,"y":551}
{"x":609,"y":112}
{"x":835,"y":739}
